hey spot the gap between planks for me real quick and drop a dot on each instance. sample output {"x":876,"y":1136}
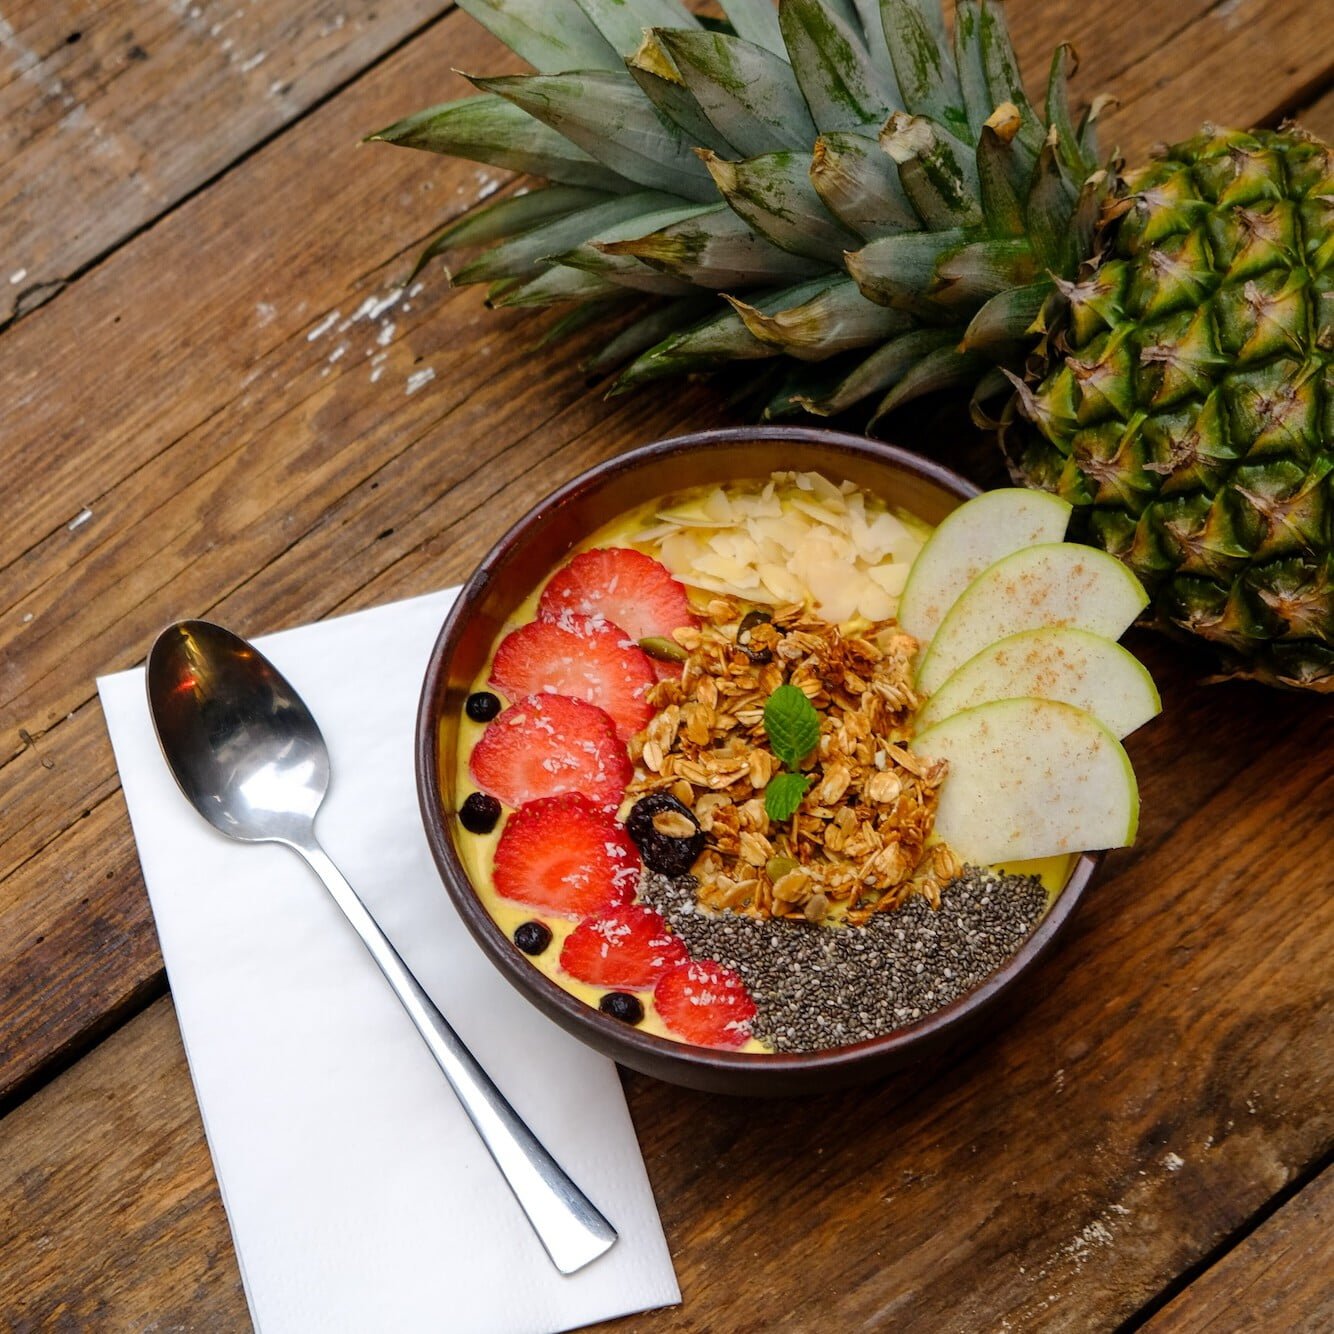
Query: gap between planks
{"x":1309,"y":1179}
{"x":52,"y":288}
{"x":44,"y":1071}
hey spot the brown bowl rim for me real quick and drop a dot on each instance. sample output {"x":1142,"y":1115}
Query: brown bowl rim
{"x":901,"y":1045}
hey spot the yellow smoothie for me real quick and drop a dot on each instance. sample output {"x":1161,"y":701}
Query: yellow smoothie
{"x":640,"y":529}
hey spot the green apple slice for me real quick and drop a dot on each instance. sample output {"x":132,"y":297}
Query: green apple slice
{"x":1055,"y":583}
{"x":969,"y":539}
{"x":1030,"y":778}
{"x":1061,"y":662}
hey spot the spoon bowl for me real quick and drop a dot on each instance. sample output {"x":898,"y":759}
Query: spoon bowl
{"x":241,"y":743}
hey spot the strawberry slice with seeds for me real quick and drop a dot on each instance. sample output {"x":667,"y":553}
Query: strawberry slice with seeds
{"x":625,"y":947}
{"x":566,"y":855}
{"x":584,"y":657}
{"x":547,"y":744}
{"x":705,"y":1003}
{"x":626,"y":587}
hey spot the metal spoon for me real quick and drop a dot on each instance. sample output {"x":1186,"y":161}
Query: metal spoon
{"x":250,"y":758}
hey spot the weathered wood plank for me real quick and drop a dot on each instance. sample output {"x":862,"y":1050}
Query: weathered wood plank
{"x":1167,"y":1079}
{"x":111,"y":111}
{"x":1318,"y":116}
{"x":76,"y":958}
{"x":325,"y":450}
{"x":1273,"y":32}
{"x":252,"y":338}
{"x":1172,"y":66}
{"x":233,"y":463}
{"x":1208,"y":72}
{"x":1278,"y":1278}
{"x":137,"y":1169}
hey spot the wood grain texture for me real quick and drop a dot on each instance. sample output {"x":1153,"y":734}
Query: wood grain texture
{"x":1278,"y":1278}
{"x":1318,"y":116}
{"x":238,"y":441}
{"x":1169,"y":1075}
{"x":111,"y":111}
{"x":1173,"y":64}
{"x":137,"y":1169}
{"x":246,"y":416}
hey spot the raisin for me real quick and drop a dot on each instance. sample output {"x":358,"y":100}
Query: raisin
{"x":668,"y":853}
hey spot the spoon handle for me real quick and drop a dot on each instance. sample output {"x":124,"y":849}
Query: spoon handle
{"x":567,"y":1223}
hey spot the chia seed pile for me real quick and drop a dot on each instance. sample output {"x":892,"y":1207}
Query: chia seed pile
{"x":817,"y":987}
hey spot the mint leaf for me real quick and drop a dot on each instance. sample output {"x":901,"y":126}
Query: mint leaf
{"x":783,"y":795}
{"x":792,"y":723}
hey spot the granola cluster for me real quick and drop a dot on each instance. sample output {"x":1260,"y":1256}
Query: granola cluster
{"x":857,"y":844}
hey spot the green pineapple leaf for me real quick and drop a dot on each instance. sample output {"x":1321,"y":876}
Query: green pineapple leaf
{"x":489,"y":129}
{"x":983,"y":269}
{"x":756,"y":21}
{"x":836,"y":320}
{"x":860,"y":185}
{"x":648,"y":329}
{"x":499,"y":219}
{"x":774,"y":195}
{"x":595,"y":256}
{"x":551,"y":38}
{"x":842,"y":86}
{"x":1001,"y":69}
{"x":553,"y":286}
{"x":622,"y":25}
{"x":900,"y":271}
{"x":522,"y":256}
{"x":938,"y":171}
{"x":879,"y":372}
{"x":926,"y":77}
{"x":1007,"y":317}
{"x":747,"y":92}
{"x":605,"y":113}
{"x":653,"y":69}
{"x":716,"y":248}
{"x":968,"y":65}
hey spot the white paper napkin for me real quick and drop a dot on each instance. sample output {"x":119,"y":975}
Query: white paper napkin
{"x":359,"y":1197}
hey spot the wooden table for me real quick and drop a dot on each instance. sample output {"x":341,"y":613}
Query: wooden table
{"x":190,"y":427}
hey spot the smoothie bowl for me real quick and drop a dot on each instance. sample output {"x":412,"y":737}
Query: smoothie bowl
{"x":750,"y":781}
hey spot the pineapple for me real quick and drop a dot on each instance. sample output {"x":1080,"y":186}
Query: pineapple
{"x":870,"y":209}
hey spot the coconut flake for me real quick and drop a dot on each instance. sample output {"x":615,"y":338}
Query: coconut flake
{"x":796,"y":537}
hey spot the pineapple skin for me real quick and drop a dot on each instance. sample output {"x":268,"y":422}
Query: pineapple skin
{"x":1186,"y":405}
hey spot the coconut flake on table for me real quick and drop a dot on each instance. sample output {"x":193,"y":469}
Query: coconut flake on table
{"x":796,"y":537}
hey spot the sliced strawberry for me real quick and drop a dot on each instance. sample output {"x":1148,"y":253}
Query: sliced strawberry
{"x":547,"y":744}
{"x":666,"y":671}
{"x":584,"y":657}
{"x":630,"y":589}
{"x":705,"y":1003}
{"x":566,"y":855}
{"x":625,"y":947}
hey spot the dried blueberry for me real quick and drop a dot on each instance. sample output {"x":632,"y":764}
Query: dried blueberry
{"x":623,"y":1006}
{"x":532,"y":937}
{"x":482,"y":706}
{"x":479,"y":813}
{"x":666,"y":833}
{"x":748,"y":622}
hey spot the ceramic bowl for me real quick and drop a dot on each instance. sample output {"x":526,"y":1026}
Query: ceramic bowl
{"x":512,"y":569}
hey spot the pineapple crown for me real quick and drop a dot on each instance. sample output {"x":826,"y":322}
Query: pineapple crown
{"x":834,"y":186}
